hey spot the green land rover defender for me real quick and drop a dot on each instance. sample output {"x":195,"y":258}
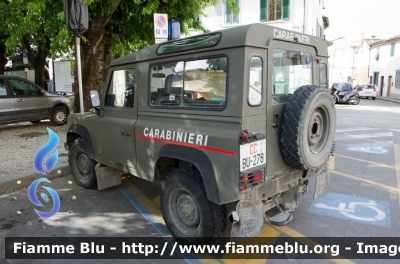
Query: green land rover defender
{"x":239,"y":118}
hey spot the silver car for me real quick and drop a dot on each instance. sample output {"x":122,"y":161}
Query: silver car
{"x":22,"y":100}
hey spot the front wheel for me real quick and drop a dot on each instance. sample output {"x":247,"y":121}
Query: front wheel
{"x":59,"y":116}
{"x":356,"y":100}
{"x":82,"y":167}
{"x":189,"y":215}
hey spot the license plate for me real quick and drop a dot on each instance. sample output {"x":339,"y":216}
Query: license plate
{"x":341,"y":93}
{"x":252,"y":154}
{"x":367,"y":93}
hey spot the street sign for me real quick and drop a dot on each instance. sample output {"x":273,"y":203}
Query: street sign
{"x":25,"y":57}
{"x":160,"y":26}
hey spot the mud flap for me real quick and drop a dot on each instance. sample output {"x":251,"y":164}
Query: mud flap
{"x":247,"y":220}
{"x":322,"y":185}
{"x":107,"y":176}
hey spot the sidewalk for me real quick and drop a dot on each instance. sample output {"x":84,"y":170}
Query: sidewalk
{"x":17,"y":181}
{"x":393,"y":100}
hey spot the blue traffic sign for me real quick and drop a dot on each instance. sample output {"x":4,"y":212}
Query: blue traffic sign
{"x":357,"y":209}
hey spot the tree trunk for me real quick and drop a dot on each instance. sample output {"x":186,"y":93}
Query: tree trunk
{"x":3,"y":59}
{"x":38,"y":62}
{"x":92,"y":64}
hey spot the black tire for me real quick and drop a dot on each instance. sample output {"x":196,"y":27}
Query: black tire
{"x":373,"y":98}
{"x":203,"y":221}
{"x":335,"y":100}
{"x":82,"y":167}
{"x":59,"y":116}
{"x":36,"y":121}
{"x":308,"y":128}
{"x":357,"y":100}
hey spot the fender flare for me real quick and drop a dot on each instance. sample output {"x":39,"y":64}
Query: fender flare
{"x":198,"y":159}
{"x":84,"y":134}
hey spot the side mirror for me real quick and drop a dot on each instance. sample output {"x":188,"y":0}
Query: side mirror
{"x":94,"y":97}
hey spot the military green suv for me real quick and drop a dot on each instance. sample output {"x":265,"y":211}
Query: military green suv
{"x":239,"y":118}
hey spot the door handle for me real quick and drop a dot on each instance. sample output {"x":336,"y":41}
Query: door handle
{"x":20,"y":100}
{"x":128,"y":134}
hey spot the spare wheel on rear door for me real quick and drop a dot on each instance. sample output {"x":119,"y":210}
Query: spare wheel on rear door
{"x":308,"y":128}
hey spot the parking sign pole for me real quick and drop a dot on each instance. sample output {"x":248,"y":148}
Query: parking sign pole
{"x":78,"y":63}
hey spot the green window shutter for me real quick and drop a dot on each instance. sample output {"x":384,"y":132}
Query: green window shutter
{"x":263,"y":10}
{"x":285,"y":9}
{"x":392,"y":49}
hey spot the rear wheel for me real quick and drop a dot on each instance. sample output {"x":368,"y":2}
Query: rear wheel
{"x":373,"y":98}
{"x":82,"y":167}
{"x":188,"y":214}
{"x":59,"y":116}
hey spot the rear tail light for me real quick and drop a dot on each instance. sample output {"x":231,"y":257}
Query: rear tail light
{"x":251,"y":179}
{"x":331,"y":91}
{"x":374,"y":90}
{"x":243,"y":136}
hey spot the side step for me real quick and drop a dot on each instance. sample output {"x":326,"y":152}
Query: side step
{"x":280,"y":219}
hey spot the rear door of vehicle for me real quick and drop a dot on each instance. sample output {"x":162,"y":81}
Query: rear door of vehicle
{"x":30,"y":103}
{"x":290,"y":66}
{"x":7,"y":108}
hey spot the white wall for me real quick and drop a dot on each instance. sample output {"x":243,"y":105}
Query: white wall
{"x":214,"y":18}
{"x":386,"y":66}
{"x":362,"y":58}
{"x":342,"y":62}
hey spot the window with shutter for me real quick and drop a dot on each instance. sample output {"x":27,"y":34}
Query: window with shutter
{"x":263,"y":10}
{"x":275,"y":10}
{"x":397,"y":81}
{"x":230,"y":16}
{"x":392,"y":49}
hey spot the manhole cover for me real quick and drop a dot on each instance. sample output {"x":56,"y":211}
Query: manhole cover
{"x":32,"y":134}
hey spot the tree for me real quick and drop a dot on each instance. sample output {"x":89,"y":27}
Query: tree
{"x":117,"y":28}
{"x":3,"y":35}
{"x":36,"y":26}
{"x":329,"y":43}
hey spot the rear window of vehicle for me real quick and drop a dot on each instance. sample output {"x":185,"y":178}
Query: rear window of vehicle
{"x":3,"y":91}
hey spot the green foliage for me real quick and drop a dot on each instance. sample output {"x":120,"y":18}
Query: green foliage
{"x":329,"y":43}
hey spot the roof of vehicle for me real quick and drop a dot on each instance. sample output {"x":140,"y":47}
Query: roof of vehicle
{"x":248,"y":35}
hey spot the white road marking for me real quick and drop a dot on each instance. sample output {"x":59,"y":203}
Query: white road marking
{"x":341,"y":130}
{"x":386,"y":134}
{"x":397,"y":130}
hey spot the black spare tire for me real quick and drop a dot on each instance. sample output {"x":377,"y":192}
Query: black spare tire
{"x":308,"y":128}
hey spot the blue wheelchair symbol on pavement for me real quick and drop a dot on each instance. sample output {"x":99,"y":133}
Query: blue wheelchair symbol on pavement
{"x":358,"y":209}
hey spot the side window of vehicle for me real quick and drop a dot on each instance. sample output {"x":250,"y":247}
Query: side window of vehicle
{"x":292,"y":69}
{"x":191,"y":84}
{"x":323,"y":75}
{"x":121,"y":88}
{"x":20,"y":87}
{"x":3,"y":91}
{"x":255,"y":81}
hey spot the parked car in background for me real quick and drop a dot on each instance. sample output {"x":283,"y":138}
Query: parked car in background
{"x":22,"y":100}
{"x":341,"y":89}
{"x":366,"y":90}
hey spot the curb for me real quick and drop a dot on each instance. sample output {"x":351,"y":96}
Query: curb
{"x":9,"y":183}
{"x":389,"y":100}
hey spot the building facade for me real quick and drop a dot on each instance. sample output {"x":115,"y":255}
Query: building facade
{"x":384,"y":67}
{"x":301,"y":16}
{"x":343,"y":62}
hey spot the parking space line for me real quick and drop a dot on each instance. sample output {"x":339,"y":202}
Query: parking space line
{"x":153,"y":215}
{"x":367,"y":139}
{"x":390,"y":188}
{"x":331,"y":163}
{"x":397,"y":163}
{"x":371,"y":162}
{"x":305,"y":240}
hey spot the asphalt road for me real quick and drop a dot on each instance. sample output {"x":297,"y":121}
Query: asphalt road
{"x":363,"y":200}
